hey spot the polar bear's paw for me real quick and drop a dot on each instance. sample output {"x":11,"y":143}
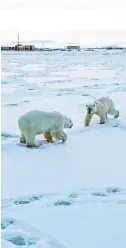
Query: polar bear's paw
{"x":60,"y":136}
{"x":64,"y":139}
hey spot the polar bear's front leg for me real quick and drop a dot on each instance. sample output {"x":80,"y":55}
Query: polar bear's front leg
{"x":102,"y":119}
{"x":30,"y":138}
{"x":59,"y":134}
{"x":87,"y":121}
{"x":22,"y":138}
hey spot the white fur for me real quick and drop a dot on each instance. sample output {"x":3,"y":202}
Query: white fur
{"x":38,"y":122}
{"x":101,"y":107}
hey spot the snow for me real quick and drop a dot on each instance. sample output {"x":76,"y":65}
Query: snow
{"x":73,"y":194}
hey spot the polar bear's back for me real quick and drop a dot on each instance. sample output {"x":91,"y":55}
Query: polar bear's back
{"x":38,"y":114}
{"x":107,"y":102}
{"x":41,"y":121}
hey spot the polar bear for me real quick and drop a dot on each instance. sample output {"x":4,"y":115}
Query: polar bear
{"x":101,"y":107}
{"x":37,"y":122}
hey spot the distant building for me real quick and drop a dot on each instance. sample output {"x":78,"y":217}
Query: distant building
{"x":21,"y":47}
{"x":70,"y":48}
{"x":18,"y":47}
{"x":4,"y":48}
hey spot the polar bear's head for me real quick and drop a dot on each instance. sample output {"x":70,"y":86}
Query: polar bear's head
{"x":91,"y":108}
{"x":68,"y":123}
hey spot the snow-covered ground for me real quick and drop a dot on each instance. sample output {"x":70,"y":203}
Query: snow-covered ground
{"x":70,"y":195}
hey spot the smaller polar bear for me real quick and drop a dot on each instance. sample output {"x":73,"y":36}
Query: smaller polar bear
{"x":101,"y":107}
{"x":37,"y":122}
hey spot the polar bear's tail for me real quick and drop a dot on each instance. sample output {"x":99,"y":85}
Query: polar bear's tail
{"x":23,"y":124}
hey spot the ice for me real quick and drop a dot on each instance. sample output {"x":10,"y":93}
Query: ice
{"x":64,"y":195}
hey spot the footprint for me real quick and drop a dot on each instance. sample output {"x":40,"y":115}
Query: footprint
{"x":5,"y":222}
{"x":98,"y":194}
{"x":73,"y":195}
{"x":30,"y":89}
{"x":27,"y":235}
{"x":8,"y":135}
{"x":113,"y":190}
{"x":28,"y":200}
{"x":62,"y":203}
{"x":21,"y":202}
{"x":19,"y":238}
{"x":12,"y":104}
{"x":35,"y":198}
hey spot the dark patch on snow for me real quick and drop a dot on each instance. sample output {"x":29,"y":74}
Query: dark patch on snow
{"x":67,"y":89}
{"x":12,"y":104}
{"x":98,"y":194}
{"x":73,"y":196}
{"x":25,"y":101}
{"x":3,"y":226}
{"x":85,"y":94}
{"x":21,"y":202}
{"x":35,"y":198}
{"x":30,"y":89}
{"x":28,"y":200}
{"x":6,"y":223}
{"x":113,"y":190}
{"x":62,"y":203}
{"x":95,"y":79}
{"x":8,"y":135}
{"x":20,"y":241}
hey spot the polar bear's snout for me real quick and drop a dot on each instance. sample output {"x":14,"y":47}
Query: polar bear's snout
{"x":71,"y":123}
{"x":90,"y":108}
{"x":68,"y":123}
{"x":89,"y":111}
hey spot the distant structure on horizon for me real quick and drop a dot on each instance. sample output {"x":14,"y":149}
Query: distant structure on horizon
{"x":69,"y":48}
{"x":18,"y":47}
{"x":41,"y":45}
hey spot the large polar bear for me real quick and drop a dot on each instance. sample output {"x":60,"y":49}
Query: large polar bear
{"x":101,"y":107}
{"x":37,"y":122}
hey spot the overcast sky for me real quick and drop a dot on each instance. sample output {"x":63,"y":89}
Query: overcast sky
{"x":63,"y":21}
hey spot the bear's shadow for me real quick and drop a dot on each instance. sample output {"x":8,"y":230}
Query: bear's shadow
{"x":40,"y":144}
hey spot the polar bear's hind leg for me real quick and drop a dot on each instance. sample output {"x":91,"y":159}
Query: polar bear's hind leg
{"x":48,"y":137}
{"x":117,"y":114}
{"x":102,"y":119}
{"x":114,"y":112}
